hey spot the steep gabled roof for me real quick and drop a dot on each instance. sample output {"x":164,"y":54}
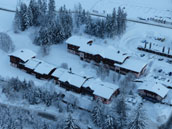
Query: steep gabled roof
{"x":23,"y":54}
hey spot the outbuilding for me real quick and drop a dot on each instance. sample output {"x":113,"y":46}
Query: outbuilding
{"x":153,"y":91}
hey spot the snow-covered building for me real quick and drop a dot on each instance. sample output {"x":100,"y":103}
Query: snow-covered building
{"x":115,"y":59}
{"x":103,"y":90}
{"x":44,"y":70}
{"x":57,"y":74}
{"x":31,"y":64}
{"x":19,"y":57}
{"x":99,"y":54}
{"x":71,"y":81}
{"x":153,"y":91}
{"x":132,"y":65}
{"x":75,"y":42}
{"x":155,"y":49}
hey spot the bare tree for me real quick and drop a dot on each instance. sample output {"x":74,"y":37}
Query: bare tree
{"x":6,"y":44}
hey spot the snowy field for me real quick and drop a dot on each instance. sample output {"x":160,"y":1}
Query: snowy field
{"x":134,"y":8}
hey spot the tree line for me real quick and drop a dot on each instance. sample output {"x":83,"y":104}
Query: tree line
{"x":56,"y":26}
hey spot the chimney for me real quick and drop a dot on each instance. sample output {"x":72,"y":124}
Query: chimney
{"x":150,"y":45}
{"x":90,"y":42}
{"x":163,"y":49}
{"x":145,"y":45}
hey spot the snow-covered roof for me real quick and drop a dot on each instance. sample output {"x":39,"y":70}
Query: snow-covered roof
{"x":105,"y":52}
{"x":157,"y":88}
{"x":72,"y":79}
{"x":133,"y":64}
{"x":44,"y":68}
{"x":101,"y":89}
{"x":23,"y":54}
{"x":78,"y":40}
{"x":58,"y":72}
{"x":32,"y":63}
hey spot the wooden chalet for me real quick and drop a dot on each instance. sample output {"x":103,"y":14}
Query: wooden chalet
{"x":71,"y":81}
{"x":102,"y":90}
{"x":153,"y":91}
{"x":44,"y":70}
{"x":74,"y":43}
{"x":114,"y":59}
{"x":100,"y":54}
{"x":18,"y":58}
{"x":31,"y":65}
{"x":57,"y":74}
{"x":131,"y":65}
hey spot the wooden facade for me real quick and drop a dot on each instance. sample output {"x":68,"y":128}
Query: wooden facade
{"x":44,"y":76}
{"x":17,"y":62}
{"x":73,"y":49}
{"x":70,"y":87}
{"x":107,"y":101}
{"x":150,"y":95}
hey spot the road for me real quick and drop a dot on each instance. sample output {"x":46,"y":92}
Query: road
{"x":99,"y":15}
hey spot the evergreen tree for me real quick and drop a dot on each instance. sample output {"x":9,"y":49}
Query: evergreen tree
{"x":66,"y":22}
{"x":109,"y":123}
{"x":114,"y":23}
{"x":78,"y":15}
{"x":97,"y":114}
{"x":51,"y":10}
{"x":33,"y":5}
{"x":43,"y":13}
{"x":29,"y":15}
{"x":70,"y":123}
{"x":119,"y":22}
{"x":140,"y":119}
{"x":43,"y":37}
{"x":23,"y":14}
{"x":17,"y":21}
{"x":121,"y":109}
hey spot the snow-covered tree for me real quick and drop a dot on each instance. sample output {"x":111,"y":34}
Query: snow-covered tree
{"x":139,"y":120}
{"x":23,"y":14}
{"x":70,"y":123}
{"x":109,"y":122}
{"x":51,"y":10}
{"x":121,"y":110}
{"x":29,"y":16}
{"x":17,"y":21}
{"x":66,"y":21}
{"x":6,"y":44}
{"x":97,"y":114}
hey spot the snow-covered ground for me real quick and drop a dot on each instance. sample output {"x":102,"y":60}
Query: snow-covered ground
{"x":134,"y":8}
{"x":128,"y":42}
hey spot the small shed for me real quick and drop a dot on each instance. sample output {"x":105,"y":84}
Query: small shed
{"x":71,"y":81}
{"x":153,"y":91}
{"x":19,"y":57}
{"x":44,"y":70}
